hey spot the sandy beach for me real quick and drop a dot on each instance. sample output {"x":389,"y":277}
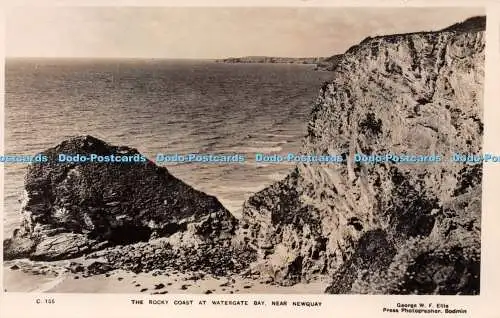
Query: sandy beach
{"x":27,"y":276}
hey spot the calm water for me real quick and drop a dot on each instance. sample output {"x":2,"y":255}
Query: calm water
{"x":161,"y":106}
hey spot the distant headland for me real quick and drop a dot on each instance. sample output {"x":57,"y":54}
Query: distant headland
{"x":322,"y":63}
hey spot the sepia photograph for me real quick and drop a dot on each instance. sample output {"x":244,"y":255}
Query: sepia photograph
{"x":244,"y":150}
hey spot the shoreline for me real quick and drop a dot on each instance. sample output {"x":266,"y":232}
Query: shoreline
{"x":29,"y":278}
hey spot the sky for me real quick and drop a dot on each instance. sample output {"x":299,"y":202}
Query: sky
{"x":183,"y":32}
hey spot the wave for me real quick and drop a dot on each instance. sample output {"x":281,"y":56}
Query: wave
{"x":210,"y":108}
{"x":271,"y":135}
{"x":249,"y":149}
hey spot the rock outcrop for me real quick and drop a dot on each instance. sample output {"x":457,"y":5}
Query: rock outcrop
{"x":385,"y":228}
{"x":328,"y":63}
{"x":73,"y":209}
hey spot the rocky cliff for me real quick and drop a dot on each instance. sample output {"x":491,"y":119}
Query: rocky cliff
{"x":386,"y":227}
{"x":72,"y":209}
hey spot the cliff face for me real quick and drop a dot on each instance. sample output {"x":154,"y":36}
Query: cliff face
{"x":71,"y":209}
{"x":385,"y":227}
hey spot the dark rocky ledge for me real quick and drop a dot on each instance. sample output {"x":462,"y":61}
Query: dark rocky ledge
{"x":73,"y":209}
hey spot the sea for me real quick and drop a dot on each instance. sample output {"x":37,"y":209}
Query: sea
{"x":161,"y":106}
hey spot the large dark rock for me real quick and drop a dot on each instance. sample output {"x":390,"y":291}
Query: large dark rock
{"x":71,"y":209}
{"x":388,"y":227}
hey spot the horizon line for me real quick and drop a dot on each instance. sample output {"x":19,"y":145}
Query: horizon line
{"x":107,"y":57}
{"x":161,"y":58}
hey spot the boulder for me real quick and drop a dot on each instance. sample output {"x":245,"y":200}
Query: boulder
{"x":74,"y":208}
